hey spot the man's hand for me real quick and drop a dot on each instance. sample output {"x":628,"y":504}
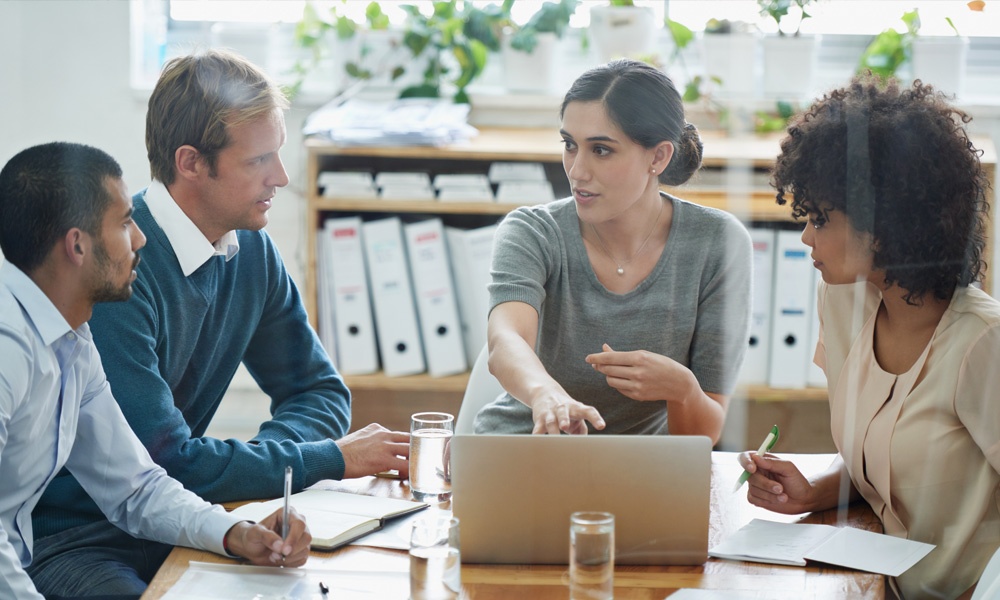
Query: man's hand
{"x":374,"y":449}
{"x":262,"y":545}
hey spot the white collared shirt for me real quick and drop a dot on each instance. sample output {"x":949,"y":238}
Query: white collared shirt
{"x":190,"y":245}
{"x":56,"y":409}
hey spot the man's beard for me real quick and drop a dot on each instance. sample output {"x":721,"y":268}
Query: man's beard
{"x":105,"y":289}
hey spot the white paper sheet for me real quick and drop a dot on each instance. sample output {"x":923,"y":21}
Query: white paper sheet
{"x":208,"y":581}
{"x":793,"y":543}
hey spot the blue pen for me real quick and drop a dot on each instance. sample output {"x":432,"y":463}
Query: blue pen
{"x":769,"y":441}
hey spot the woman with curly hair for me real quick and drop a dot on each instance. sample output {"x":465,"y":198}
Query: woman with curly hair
{"x":895,"y":198}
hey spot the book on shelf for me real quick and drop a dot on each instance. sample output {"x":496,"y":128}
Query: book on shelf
{"x":336,"y":518}
{"x":795,"y":543}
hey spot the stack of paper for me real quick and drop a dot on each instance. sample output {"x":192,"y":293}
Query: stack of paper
{"x":404,"y":185}
{"x":794,"y":543}
{"x":346,"y":184}
{"x":521,"y":182}
{"x":403,"y":122}
{"x":461,"y":187}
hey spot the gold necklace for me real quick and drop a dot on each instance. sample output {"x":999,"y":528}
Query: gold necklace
{"x":621,"y":265}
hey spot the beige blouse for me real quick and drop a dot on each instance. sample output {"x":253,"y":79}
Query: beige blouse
{"x":923,"y":447}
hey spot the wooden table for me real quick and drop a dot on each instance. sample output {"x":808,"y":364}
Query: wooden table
{"x":500,"y":582}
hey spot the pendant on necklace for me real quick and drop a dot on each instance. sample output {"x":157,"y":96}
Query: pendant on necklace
{"x":621,"y":270}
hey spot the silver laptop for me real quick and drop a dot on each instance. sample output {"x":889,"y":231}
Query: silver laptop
{"x":513,"y":495}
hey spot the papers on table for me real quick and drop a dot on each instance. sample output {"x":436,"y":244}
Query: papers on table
{"x":794,"y":543}
{"x":403,"y":122}
{"x":207,"y":581}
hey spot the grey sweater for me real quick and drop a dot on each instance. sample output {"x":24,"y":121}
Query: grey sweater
{"x":694,"y":308}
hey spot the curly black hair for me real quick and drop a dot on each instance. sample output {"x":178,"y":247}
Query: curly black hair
{"x":899,"y":164}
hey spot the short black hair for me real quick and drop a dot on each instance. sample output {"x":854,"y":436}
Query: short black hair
{"x":898,"y":162}
{"x":47,"y":190}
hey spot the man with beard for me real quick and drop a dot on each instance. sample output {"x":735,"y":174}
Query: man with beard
{"x":212,"y":292}
{"x":67,"y":232}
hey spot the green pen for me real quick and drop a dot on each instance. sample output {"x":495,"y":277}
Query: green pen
{"x":769,"y":441}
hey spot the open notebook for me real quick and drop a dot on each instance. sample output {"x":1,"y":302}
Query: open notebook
{"x":335,"y":518}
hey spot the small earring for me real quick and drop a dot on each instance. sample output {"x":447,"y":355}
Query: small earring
{"x":653,"y":171}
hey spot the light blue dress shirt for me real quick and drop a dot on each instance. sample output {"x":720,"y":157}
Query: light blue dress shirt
{"x":56,"y":409}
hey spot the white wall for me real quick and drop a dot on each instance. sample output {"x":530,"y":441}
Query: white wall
{"x":64,"y":75}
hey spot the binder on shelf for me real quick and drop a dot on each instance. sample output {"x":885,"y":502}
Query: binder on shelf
{"x":437,"y":311}
{"x":343,"y":262}
{"x":471,"y":253}
{"x":755,"y":365}
{"x":815,"y":377}
{"x":324,"y":292}
{"x":790,"y":321}
{"x":392,"y":297}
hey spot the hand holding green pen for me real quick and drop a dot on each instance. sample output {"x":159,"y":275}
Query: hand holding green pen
{"x":769,"y":441}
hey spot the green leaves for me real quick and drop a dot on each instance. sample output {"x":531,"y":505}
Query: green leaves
{"x":778,"y":10}
{"x":681,"y":34}
{"x":890,"y":49}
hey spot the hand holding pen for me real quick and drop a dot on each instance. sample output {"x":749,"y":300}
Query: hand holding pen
{"x":769,"y":441}
{"x":261,"y":543}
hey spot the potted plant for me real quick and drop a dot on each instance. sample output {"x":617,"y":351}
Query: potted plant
{"x":621,"y":29}
{"x":887,"y":52}
{"x":357,"y":52}
{"x":940,"y":60}
{"x":529,"y":50}
{"x":789,"y":56}
{"x":449,"y":47}
{"x":433,"y":55}
{"x":729,"y":55}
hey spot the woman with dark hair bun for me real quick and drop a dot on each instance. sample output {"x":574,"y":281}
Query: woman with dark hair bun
{"x":622,"y":308}
{"x":895,"y":197}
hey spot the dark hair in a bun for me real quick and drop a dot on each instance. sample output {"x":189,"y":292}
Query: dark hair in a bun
{"x":643,"y":102}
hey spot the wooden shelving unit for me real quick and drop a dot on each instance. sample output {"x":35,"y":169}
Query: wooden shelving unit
{"x":752,"y":201}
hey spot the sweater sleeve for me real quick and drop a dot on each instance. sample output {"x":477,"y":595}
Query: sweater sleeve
{"x":217,"y":470}
{"x":310,"y":404}
{"x":309,"y":398}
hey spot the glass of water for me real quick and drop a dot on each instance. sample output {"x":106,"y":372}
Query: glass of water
{"x":430,"y":456}
{"x":591,"y":556}
{"x":435,"y":560}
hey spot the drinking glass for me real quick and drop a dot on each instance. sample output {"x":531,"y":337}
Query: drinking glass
{"x":591,"y":556}
{"x":430,"y":454}
{"x":435,"y":559}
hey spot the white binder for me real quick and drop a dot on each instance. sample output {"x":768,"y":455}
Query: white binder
{"x":755,"y":365}
{"x":437,"y":311}
{"x":392,"y":297}
{"x":790,"y":322}
{"x":471,"y":252}
{"x":324,"y":292}
{"x":354,"y":329}
{"x":815,"y":377}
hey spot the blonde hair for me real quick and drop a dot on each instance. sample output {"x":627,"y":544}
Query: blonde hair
{"x":195,"y":102}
